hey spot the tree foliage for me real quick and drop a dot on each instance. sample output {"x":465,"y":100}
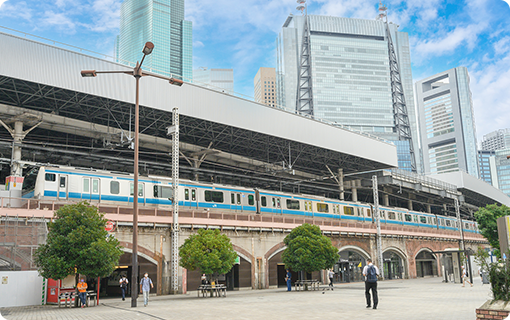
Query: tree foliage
{"x":308,"y":250}
{"x":77,"y":239}
{"x":209,"y":251}
{"x":487,"y":222}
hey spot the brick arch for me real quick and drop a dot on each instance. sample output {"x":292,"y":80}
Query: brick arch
{"x":244,"y":254}
{"x":150,"y":254}
{"x":274,"y":250}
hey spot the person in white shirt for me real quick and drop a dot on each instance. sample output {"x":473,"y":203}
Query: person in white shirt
{"x":123,"y":282}
{"x":331,"y":274}
{"x":371,"y":272}
{"x":464,"y":277}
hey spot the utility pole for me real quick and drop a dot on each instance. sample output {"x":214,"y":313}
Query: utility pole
{"x":175,"y":202}
{"x":378,"y":224}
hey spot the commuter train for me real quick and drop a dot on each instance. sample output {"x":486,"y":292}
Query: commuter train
{"x":66,"y":183}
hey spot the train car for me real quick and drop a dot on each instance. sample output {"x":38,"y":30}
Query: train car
{"x":66,"y":183}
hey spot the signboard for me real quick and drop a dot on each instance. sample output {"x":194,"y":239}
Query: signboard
{"x":504,"y":234}
{"x":238,"y":260}
{"x":13,"y":181}
{"x":5,"y":280}
{"x":110,"y":226}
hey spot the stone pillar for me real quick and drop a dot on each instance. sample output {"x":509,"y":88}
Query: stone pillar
{"x":428,"y":209}
{"x":354,"y":194}
{"x":16,"y":167}
{"x":386,"y":199}
{"x":410,"y":204}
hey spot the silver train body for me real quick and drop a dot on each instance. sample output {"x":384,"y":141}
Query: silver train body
{"x":66,"y":183}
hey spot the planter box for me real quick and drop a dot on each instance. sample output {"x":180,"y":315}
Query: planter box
{"x":493,"y":310}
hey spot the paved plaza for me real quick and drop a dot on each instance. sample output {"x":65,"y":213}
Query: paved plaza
{"x":427,"y":298}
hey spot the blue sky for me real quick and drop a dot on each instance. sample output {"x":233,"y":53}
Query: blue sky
{"x":241,"y":35}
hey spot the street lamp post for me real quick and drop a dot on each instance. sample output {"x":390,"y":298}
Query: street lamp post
{"x":137,"y":73}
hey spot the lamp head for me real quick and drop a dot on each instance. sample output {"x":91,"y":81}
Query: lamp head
{"x":88,"y":73}
{"x":176,"y":82}
{"x":147,"y":49}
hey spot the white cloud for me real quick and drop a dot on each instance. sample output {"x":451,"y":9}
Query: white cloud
{"x":59,"y":20}
{"x":2,"y":2}
{"x":507,"y":1}
{"x":106,"y":15}
{"x":15,"y":10}
{"x":198,"y":44}
{"x":502,"y":46}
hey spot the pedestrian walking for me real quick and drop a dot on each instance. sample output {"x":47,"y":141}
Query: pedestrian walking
{"x":331,"y":274}
{"x":288,"y":279}
{"x":371,"y":272}
{"x":465,"y":277}
{"x":145,"y":287}
{"x":82,"y":292}
{"x":123,"y":286}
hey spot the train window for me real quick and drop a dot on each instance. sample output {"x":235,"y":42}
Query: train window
{"x":423,"y":219}
{"x":164,"y":192}
{"x":434,"y":221}
{"x":391,"y":215}
{"x":62,"y":182}
{"x":274,"y":202}
{"x":466,"y":225}
{"x":95,"y":186}
{"x":415,"y":218}
{"x":251,"y":200}
{"x":193,"y":195}
{"x":408,"y":217}
{"x":278,"y":203}
{"x":359,"y":212}
{"x":428,"y":220}
{"x":441,"y":222}
{"x":263,"y":201}
{"x":238,"y":198}
{"x":369,"y":212}
{"x":448,"y":223}
{"x":114,"y":187}
{"x":232,"y":198}
{"x":349,"y":211}
{"x":50,"y":177}
{"x":292,"y":204}
{"x":399,"y":216}
{"x":186,"y":194}
{"x":213,"y":196}
{"x":86,"y":185}
{"x":131,"y":188}
{"x":322,"y":207}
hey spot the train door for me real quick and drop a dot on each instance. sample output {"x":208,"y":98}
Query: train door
{"x":96,"y":189}
{"x":62,"y":193}
{"x":85,"y":191}
{"x":277,"y":204}
{"x":190,"y":197}
{"x":235,"y":201}
{"x":141,"y":193}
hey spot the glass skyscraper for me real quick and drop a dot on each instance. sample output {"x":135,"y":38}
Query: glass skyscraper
{"x":350,"y":72}
{"x":162,"y":23}
{"x":484,"y":163}
{"x":447,"y":124}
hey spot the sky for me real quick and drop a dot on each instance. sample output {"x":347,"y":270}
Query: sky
{"x":241,"y":35}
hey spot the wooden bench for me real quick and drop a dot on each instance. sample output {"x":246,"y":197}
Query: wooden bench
{"x":305,"y":284}
{"x":207,"y":290}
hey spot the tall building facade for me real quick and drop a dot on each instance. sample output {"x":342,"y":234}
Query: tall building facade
{"x":162,"y":23}
{"x":501,"y":166}
{"x":350,"y":74}
{"x":484,"y":163}
{"x":447,"y":124}
{"x":264,"y":85}
{"x":217,"y":79}
{"x":499,"y":139}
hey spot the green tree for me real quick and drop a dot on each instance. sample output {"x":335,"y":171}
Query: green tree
{"x":308,"y":250}
{"x":77,"y":240}
{"x":209,"y":251}
{"x":487,"y":222}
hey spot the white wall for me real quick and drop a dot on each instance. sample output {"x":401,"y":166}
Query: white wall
{"x":20,"y":288}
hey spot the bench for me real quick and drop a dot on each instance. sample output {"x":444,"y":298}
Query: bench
{"x":207,"y":290}
{"x":66,"y":297}
{"x":305,"y":284}
{"x":91,"y":296}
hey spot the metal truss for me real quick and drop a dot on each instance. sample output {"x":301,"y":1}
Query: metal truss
{"x":401,"y":118}
{"x":304,"y":101}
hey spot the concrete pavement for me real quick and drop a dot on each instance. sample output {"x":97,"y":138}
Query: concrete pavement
{"x":427,"y":298}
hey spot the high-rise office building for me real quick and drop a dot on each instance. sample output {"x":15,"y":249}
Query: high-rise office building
{"x":499,"y":139}
{"x":217,"y":79}
{"x":484,"y":163}
{"x":264,"y":85}
{"x":500,"y":164}
{"x":447,"y":124}
{"x":162,"y":23}
{"x":349,"y":76}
